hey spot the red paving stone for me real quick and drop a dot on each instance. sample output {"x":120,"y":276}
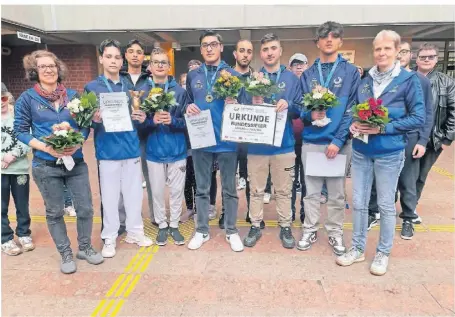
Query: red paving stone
{"x":267,"y":280}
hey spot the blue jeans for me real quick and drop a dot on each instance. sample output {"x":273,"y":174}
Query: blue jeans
{"x":203,"y":168}
{"x":384,"y":171}
{"x":50,"y":179}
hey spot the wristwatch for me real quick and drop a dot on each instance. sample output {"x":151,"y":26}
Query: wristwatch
{"x":382,"y":129}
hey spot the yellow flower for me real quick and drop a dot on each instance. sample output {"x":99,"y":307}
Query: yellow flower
{"x":225,"y":74}
{"x":155,"y":91}
{"x":220,"y":80}
{"x":235,"y":79}
{"x":227,"y":84}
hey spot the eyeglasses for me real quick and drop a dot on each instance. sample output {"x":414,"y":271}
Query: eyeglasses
{"x":429,"y":57}
{"x":44,"y":67}
{"x":160,"y":63}
{"x":299,"y":64}
{"x":404,"y":52}
{"x":212,"y":45}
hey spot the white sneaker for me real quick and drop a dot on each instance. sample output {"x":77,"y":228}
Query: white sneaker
{"x":352,"y":256}
{"x":140,"y":240}
{"x":27,"y":243}
{"x":144,"y":184}
{"x":198,"y":240}
{"x":11,"y":248}
{"x":235,"y":242}
{"x":70,"y":211}
{"x":267,"y":197}
{"x":108,"y":248}
{"x":379,"y":265}
{"x":212,"y":212}
{"x":241,"y":184}
{"x":417,"y":221}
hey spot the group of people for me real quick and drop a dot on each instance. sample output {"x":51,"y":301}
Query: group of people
{"x":397,"y":157}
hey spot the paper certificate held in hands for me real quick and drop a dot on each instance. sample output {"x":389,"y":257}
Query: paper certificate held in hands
{"x":200,"y":130}
{"x":115,"y":112}
{"x":317,"y":164}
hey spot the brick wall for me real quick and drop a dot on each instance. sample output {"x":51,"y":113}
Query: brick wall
{"x":80,"y":60}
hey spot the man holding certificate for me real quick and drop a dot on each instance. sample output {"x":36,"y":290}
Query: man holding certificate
{"x":332,"y":81}
{"x":280,"y":158}
{"x":204,"y":116}
{"x":117,"y":150}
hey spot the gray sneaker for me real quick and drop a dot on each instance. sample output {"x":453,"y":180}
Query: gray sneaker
{"x":337,"y":245}
{"x":90,"y":255}
{"x":161,"y":238}
{"x":379,"y":265}
{"x":177,"y":236}
{"x":308,"y":238}
{"x":68,"y":265}
{"x":253,"y":236}
{"x":352,"y":256}
{"x":287,"y":239}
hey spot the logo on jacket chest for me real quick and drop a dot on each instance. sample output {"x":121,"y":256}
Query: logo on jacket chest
{"x":282,"y":85}
{"x":198,"y":84}
{"x":338,"y":82}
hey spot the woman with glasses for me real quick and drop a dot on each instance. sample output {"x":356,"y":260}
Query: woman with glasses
{"x":37,"y":110}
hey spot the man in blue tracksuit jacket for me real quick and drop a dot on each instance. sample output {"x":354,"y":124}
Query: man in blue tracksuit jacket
{"x":118,"y":154}
{"x":417,"y":140}
{"x":166,"y":149}
{"x":331,"y":71}
{"x":199,"y":84}
{"x":280,"y":159}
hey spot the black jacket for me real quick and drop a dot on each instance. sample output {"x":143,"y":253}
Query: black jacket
{"x":140,"y":81}
{"x":443,"y":90}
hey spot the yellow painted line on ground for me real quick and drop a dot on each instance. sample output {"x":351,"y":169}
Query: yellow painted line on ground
{"x":117,"y":307}
{"x":125,"y":284}
{"x":443,"y":172}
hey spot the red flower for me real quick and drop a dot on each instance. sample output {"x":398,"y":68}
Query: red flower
{"x":365,"y":114}
{"x":374,"y":104}
{"x":379,"y":102}
{"x":73,"y":115}
{"x":379,"y":112}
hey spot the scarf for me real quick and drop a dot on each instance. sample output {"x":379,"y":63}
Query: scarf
{"x":58,"y":94}
{"x":379,"y":77}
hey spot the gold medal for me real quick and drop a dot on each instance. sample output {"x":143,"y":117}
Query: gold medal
{"x":209,"y":98}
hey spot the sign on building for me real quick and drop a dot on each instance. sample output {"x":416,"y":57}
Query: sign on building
{"x":349,"y":55}
{"x":28,"y":37}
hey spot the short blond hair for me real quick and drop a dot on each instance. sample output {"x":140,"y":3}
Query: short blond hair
{"x":31,"y":65}
{"x":388,"y":34}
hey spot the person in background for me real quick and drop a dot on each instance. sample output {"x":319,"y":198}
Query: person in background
{"x":360,"y":69}
{"x":382,"y":158}
{"x":443,"y":129}
{"x":182,"y":80}
{"x":194,"y":64}
{"x":36,"y":111}
{"x":298,"y":63}
{"x":137,"y":78}
{"x":15,"y":181}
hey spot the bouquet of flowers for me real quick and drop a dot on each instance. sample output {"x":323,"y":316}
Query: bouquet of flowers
{"x":320,"y":99}
{"x":158,"y":101}
{"x":227,"y":85}
{"x":64,"y":136}
{"x":370,"y":112}
{"x":83,"y":109}
{"x":260,"y":85}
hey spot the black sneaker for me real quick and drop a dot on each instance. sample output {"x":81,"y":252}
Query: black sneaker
{"x":161,"y":238}
{"x":221,"y":221}
{"x":372,"y":222}
{"x":287,"y":239}
{"x":407,"y":230}
{"x":253,"y":236}
{"x":177,"y":236}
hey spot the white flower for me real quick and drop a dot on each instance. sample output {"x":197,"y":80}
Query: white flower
{"x":328,"y":90}
{"x":154,"y":97}
{"x":317,"y":95}
{"x":254,"y":83}
{"x":61,"y":133}
{"x":81,"y":108}
{"x":266,"y":81}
